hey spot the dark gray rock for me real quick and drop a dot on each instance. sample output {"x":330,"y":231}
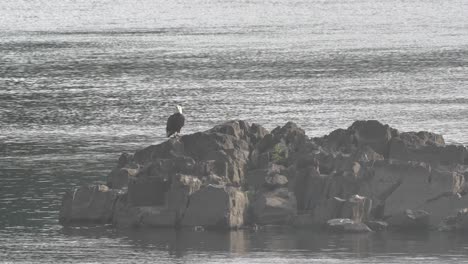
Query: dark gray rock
{"x":183,"y":186}
{"x":374,"y":134}
{"x":216,"y":206}
{"x":150,"y":191}
{"x":92,"y":203}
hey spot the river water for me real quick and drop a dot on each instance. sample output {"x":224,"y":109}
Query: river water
{"x":83,"y":81}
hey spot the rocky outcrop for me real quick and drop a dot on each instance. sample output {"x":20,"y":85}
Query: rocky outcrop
{"x":364,"y":177}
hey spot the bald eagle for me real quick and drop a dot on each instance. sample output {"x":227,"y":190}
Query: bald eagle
{"x":175,"y":122}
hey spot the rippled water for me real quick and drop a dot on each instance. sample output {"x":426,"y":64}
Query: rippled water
{"x":82,"y":81}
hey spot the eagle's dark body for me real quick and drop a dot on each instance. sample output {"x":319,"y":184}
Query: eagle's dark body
{"x":174,"y":123}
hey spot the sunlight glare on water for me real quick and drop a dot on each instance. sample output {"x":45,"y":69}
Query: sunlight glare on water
{"x":83,"y":81}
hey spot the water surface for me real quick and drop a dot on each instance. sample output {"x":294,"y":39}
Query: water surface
{"x":81,"y":82}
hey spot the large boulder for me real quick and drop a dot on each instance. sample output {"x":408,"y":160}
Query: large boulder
{"x":216,"y":206}
{"x":397,"y":186}
{"x":361,"y":134}
{"x":274,"y":207}
{"x":91,"y":203}
{"x":426,"y":147}
{"x":374,"y":134}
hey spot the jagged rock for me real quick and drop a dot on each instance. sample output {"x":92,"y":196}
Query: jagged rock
{"x":92,"y":203}
{"x":347,"y":225}
{"x":426,"y":147}
{"x":338,"y":141}
{"x":374,"y":134}
{"x":274,"y":207}
{"x":377,"y":225}
{"x":229,"y":143}
{"x":216,"y":206}
{"x":359,"y":135}
{"x":410,"y":220}
{"x":278,"y":146}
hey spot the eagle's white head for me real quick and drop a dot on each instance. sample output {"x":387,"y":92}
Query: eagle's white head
{"x":179,"y":109}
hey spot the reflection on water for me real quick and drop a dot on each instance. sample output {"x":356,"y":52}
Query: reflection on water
{"x":277,"y":245}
